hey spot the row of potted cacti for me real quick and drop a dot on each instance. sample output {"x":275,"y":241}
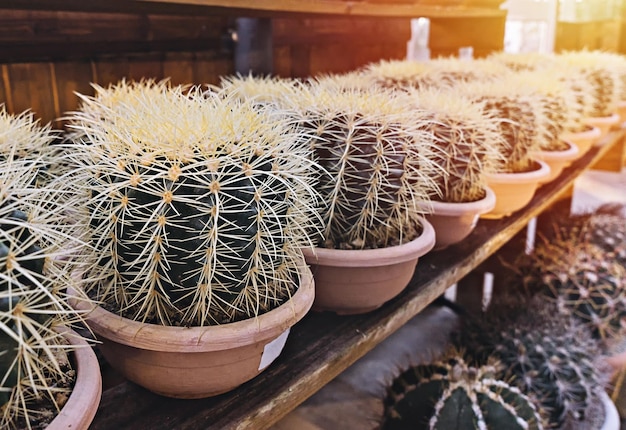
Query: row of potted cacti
{"x":544,"y":351}
{"x":190,"y":215}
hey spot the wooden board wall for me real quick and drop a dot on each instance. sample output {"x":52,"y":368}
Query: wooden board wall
{"x":47,"y":56}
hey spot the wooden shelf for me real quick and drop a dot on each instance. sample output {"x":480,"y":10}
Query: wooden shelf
{"x":322,"y":345}
{"x":389,"y":9}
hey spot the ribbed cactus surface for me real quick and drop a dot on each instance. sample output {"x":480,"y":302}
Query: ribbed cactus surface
{"x":377,"y":161}
{"x":451,"y":394}
{"x":198,"y":203}
{"x":546,"y":354}
{"x":36,"y":246}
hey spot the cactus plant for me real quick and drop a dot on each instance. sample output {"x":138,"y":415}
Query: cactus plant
{"x":198,"y":204}
{"x":452,"y":394}
{"x":596,"y":68}
{"x":398,"y":74}
{"x":523,"y":61}
{"x":577,"y":276}
{"x":519,"y":121}
{"x":469,"y":143}
{"x":379,"y":163}
{"x":546,"y":354}
{"x":36,"y":246}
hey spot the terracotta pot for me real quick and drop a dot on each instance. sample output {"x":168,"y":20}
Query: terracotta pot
{"x":514,"y":190}
{"x":359,"y":281}
{"x":453,"y":222}
{"x":557,"y":160}
{"x":197,"y":362}
{"x":584,"y":140}
{"x":604,"y":123}
{"x":83,"y":402}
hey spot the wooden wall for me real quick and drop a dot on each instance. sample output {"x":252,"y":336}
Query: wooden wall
{"x":45,"y":57}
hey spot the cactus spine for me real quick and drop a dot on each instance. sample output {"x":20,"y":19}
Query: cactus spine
{"x":378,"y":160}
{"x":519,"y":122}
{"x":450,"y":394}
{"x":469,"y":143}
{"x":36,"y":247}
{"x":199,"y":204}
{"x":548,"y":355}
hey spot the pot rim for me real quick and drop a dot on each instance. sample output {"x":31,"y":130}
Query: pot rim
{"x":374,"y":257}
{"x":82,"y":404}
{"x":609,"y":119}
{"x":567,"y":154}
{"x":523,"y":177}
{"x":594,"y":133}
{"x":481,"y":206}
{"x":155,"y":337}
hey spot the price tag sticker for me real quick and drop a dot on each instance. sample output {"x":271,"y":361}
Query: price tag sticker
{"x":273,"y":349}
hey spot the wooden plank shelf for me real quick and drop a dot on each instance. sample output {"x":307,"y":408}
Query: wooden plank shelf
{"x":273,"y":8}
{"x":322,"y":345}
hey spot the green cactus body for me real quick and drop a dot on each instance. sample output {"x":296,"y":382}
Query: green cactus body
{"x":469,"y":141}
{"x":583,"y":283}
{"x":544,"y":353}
{"x":378,"y":163}
{"x":602,"y":74}
{"x":450,"y":394}
{"x":197,"y":225}
{"x":33,"y":279}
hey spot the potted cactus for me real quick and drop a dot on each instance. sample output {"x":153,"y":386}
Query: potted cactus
{"x":453,"y":394}
{"x":604,"y":81}
{"x":520,"y":125}
{"x":548,"y":355}
{"x":469,"y":144}
{"x":198,"y":206}
{"x":49,"y":376}
{"x":553,"y":101}
{"x":376,"y":180}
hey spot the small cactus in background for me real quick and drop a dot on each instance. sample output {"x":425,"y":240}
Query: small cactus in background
{"x":378,"y":160}
{"x":577,"y":276}
{"x":522,"y":62}
{"x":36,"y":249}
{"x":268,"y":89}
{"x":469,"y":141}
{"x":398,"y":74}
{"x":451,"y":394}
{"x":198,"y":204}
{"x":548,"y":355}
{"x":514,"y":111}
{"x":452,"y":71}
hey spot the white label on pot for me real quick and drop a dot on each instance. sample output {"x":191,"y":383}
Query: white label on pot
{"x":273,"y":349}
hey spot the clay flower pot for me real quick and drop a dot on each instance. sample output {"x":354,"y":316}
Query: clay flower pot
{"x":557,"y":160}
{"x":453,"y":222}
{"x":197,"y":362}
{"x":359,"y":281}
{"x":83,"y":402}
{"x":584,"y":140}
{"x":514,"y":190}
{"x":604,"y":123}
